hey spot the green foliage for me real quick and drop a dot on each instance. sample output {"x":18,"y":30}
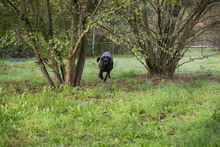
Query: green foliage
{"x":11,"y":47}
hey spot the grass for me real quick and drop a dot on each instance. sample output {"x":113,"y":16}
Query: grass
{"x":207,"y":65}
{"x":130,"y":109}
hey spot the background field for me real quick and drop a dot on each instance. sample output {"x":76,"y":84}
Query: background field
{"x":130,"y":109}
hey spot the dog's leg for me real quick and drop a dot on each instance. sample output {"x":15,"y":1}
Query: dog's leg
{"x":100,"y":74}
{"x":108,"y":74}
{"x":106,"y":77}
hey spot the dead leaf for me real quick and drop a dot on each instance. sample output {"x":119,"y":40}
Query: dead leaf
{"x":31,"y":122}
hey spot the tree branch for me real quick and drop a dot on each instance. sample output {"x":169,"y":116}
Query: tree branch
{"x":138,"y":59}
{"x":13,"y":6}
{"x":206,"y":56}
{"x":86,"y":30}
{"x":97,"y":7}
{"x":202,"y":30}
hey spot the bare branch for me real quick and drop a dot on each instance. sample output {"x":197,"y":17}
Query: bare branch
{"x":97,"y":7}
{"x":154,"y":7}
{"x":202,"y":30}
{"x":206,"y":56}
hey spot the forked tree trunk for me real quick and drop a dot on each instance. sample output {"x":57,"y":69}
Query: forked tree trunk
{"x":79,"y":11}
{"x":161,"y":66}
{"x":78,"y":39}
{"x":70,"y":69}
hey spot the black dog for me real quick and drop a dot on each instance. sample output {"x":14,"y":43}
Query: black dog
{"x":105,"y":65}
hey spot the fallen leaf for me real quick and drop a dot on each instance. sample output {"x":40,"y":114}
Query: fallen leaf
{"x":31,"y":122}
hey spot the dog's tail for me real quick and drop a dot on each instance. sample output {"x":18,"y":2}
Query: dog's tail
{"x":98,"y":59}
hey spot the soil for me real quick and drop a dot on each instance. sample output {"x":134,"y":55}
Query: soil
{"x":177,"y":78}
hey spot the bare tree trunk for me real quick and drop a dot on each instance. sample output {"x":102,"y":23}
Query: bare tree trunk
{"x":69,"y":78}
{"x":81,"y":61}
{"x":113,"y":43}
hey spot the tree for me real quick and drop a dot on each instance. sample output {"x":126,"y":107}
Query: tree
{"x":45,"y":26}
{"x":160,"y":31}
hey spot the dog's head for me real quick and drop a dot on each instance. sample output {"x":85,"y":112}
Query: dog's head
{"x":105,"y":60}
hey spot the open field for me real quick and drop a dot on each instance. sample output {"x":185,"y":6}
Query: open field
{"x":130,"y":109}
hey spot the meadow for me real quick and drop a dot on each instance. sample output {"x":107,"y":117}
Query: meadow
{"x":130,"y":109}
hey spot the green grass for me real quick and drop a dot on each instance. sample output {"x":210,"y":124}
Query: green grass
{"x":207,"y":65}
{"x":130,"y":109}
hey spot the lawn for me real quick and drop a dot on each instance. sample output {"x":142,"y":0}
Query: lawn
{"x":130,"y":109}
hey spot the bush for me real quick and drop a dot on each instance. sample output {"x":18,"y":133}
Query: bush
{"x":10,"y":48}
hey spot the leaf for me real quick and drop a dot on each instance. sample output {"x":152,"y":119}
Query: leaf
{"x":31,"y":122}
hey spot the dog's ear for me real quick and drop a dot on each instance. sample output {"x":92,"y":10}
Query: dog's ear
{"x":98,"y":59}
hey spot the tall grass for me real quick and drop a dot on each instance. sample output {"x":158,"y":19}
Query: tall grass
{"x":128,"y":110}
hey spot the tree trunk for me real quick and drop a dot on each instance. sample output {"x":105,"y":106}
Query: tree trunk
{"x":69,"y":78}
{"x":55,"y":66}
{"x":161,"y":65}
{"x":45,"y":73}
{"x":22,"y":51}
{"x":63,"y":70}
{"x":70,"y":73}
{"x":81,"y":61}
{"x":51,"y":44}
